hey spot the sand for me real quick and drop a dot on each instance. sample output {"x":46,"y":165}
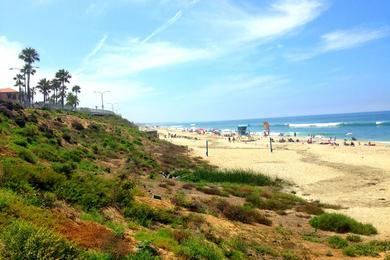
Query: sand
{"x":356,"y":178}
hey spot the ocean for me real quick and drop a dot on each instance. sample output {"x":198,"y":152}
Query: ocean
{"x":374,"y":126}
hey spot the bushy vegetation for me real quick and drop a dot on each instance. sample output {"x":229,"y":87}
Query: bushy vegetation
{"x":23,"y":240}
{"x":63,"y":174}
{"x":372,"y":248}
{"x":341,"y":224}
{"x":228,"y":176}
{"x":337,"y":242}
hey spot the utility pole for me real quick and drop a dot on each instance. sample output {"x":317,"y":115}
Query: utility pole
{"x":102,"y":96}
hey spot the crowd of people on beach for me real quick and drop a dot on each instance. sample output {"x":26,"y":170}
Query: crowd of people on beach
{"x":311,"y":139}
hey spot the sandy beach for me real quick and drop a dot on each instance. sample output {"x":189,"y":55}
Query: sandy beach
{"x":356,"y":178}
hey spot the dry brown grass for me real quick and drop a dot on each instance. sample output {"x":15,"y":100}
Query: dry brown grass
{"x":95,"y":236}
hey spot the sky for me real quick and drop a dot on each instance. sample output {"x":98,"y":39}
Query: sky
{"x":201,"y":60}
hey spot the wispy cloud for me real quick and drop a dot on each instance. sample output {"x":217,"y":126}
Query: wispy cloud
{"x":340,"y":40}
{"x":346,"y":39}
{"x":163,"y":27}
{"x":171,"y":21}
{"x":97,"y":48}
{"x":241,"y":24}
{"x":132,"y":56}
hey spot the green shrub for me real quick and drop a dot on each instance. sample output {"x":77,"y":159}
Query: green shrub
{"x":360,"y":250}
{"x":92,"y":216}
{"x":162,"y":238}
{"x":312,"y":237}
{"x":144,"y":252}
{"x":354,"y":238}
{"x":341,"y":224}
{"x":21,"y":141}
{"x":229,"y":176}
{"x":46,"y":152}
{"x":288,"y":255}
{"x":23,"y":240}
{"x":4,"y":203}
{"x":31,"y":131}
{"x":18,"y":175}
{"x":145,"y":215}
{"x":77,"y":125}
{"x":337,"y":242}
{"x":89,"y":191}
{"x":27,"y":155}
{"x":264,"y":250}
{"x":198,"y":248}
{"x":64,"y":168}
{"x":239,"y":213}
{"x":20,"y":122}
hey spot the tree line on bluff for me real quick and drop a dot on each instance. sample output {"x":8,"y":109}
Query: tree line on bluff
{"x":54,"y":91}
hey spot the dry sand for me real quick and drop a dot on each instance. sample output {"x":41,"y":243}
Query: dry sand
{"x":356,"y":178}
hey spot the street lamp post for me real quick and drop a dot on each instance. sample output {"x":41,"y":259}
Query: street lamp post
{"x":112,"y":106}
{"x":102,"y":96}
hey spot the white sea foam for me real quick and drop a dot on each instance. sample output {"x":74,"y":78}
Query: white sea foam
{"x":379,"y":122}
{"x":334,"y":124}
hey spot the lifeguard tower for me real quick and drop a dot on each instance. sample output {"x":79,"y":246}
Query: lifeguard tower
{"x":242,"y":130}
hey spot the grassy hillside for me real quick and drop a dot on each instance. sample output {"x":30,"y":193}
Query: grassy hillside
{"x":73,"y":186}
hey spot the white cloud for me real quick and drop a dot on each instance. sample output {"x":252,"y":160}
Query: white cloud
{"x":346,"y":39}
{"x":132,"y":56}
{"x":9,"y":52}
{"x":340,"y":40}
{"x":97,"y":48}
{"x":232,"y":23}
{"x":163,"y":27}
{"x":283,"y":17}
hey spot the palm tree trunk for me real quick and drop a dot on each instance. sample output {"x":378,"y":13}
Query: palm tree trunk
{"x":62,"y":95}
{"x":28,"y":89}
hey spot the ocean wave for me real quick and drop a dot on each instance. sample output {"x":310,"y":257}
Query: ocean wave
{"x":335,"y":124}
{"x":307,"y":125}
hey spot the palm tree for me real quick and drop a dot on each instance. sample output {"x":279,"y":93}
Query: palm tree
{"x":55,"y":86}
{"x":72,"y":100}
{"x":44,"y":87}
{"x":33,"y":92}
{"x":19,"y":82}
{"x":76,"y":89}
{"x":29,"y":56}
{"x":27,"y":70}
{"x":63,"y":77}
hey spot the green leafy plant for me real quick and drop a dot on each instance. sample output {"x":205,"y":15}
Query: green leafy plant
{"x":341,"y":224}
{"x":23,"y":240}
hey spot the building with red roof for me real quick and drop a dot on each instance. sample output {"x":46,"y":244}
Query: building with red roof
{"x":9,"y":94}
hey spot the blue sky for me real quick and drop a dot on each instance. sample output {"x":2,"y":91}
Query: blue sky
{"x":196,"y":60}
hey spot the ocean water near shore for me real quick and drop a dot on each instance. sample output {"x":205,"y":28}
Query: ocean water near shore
{"x":373,"y":126}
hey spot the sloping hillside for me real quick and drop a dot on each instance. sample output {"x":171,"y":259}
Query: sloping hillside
{"x":73,"y":186}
